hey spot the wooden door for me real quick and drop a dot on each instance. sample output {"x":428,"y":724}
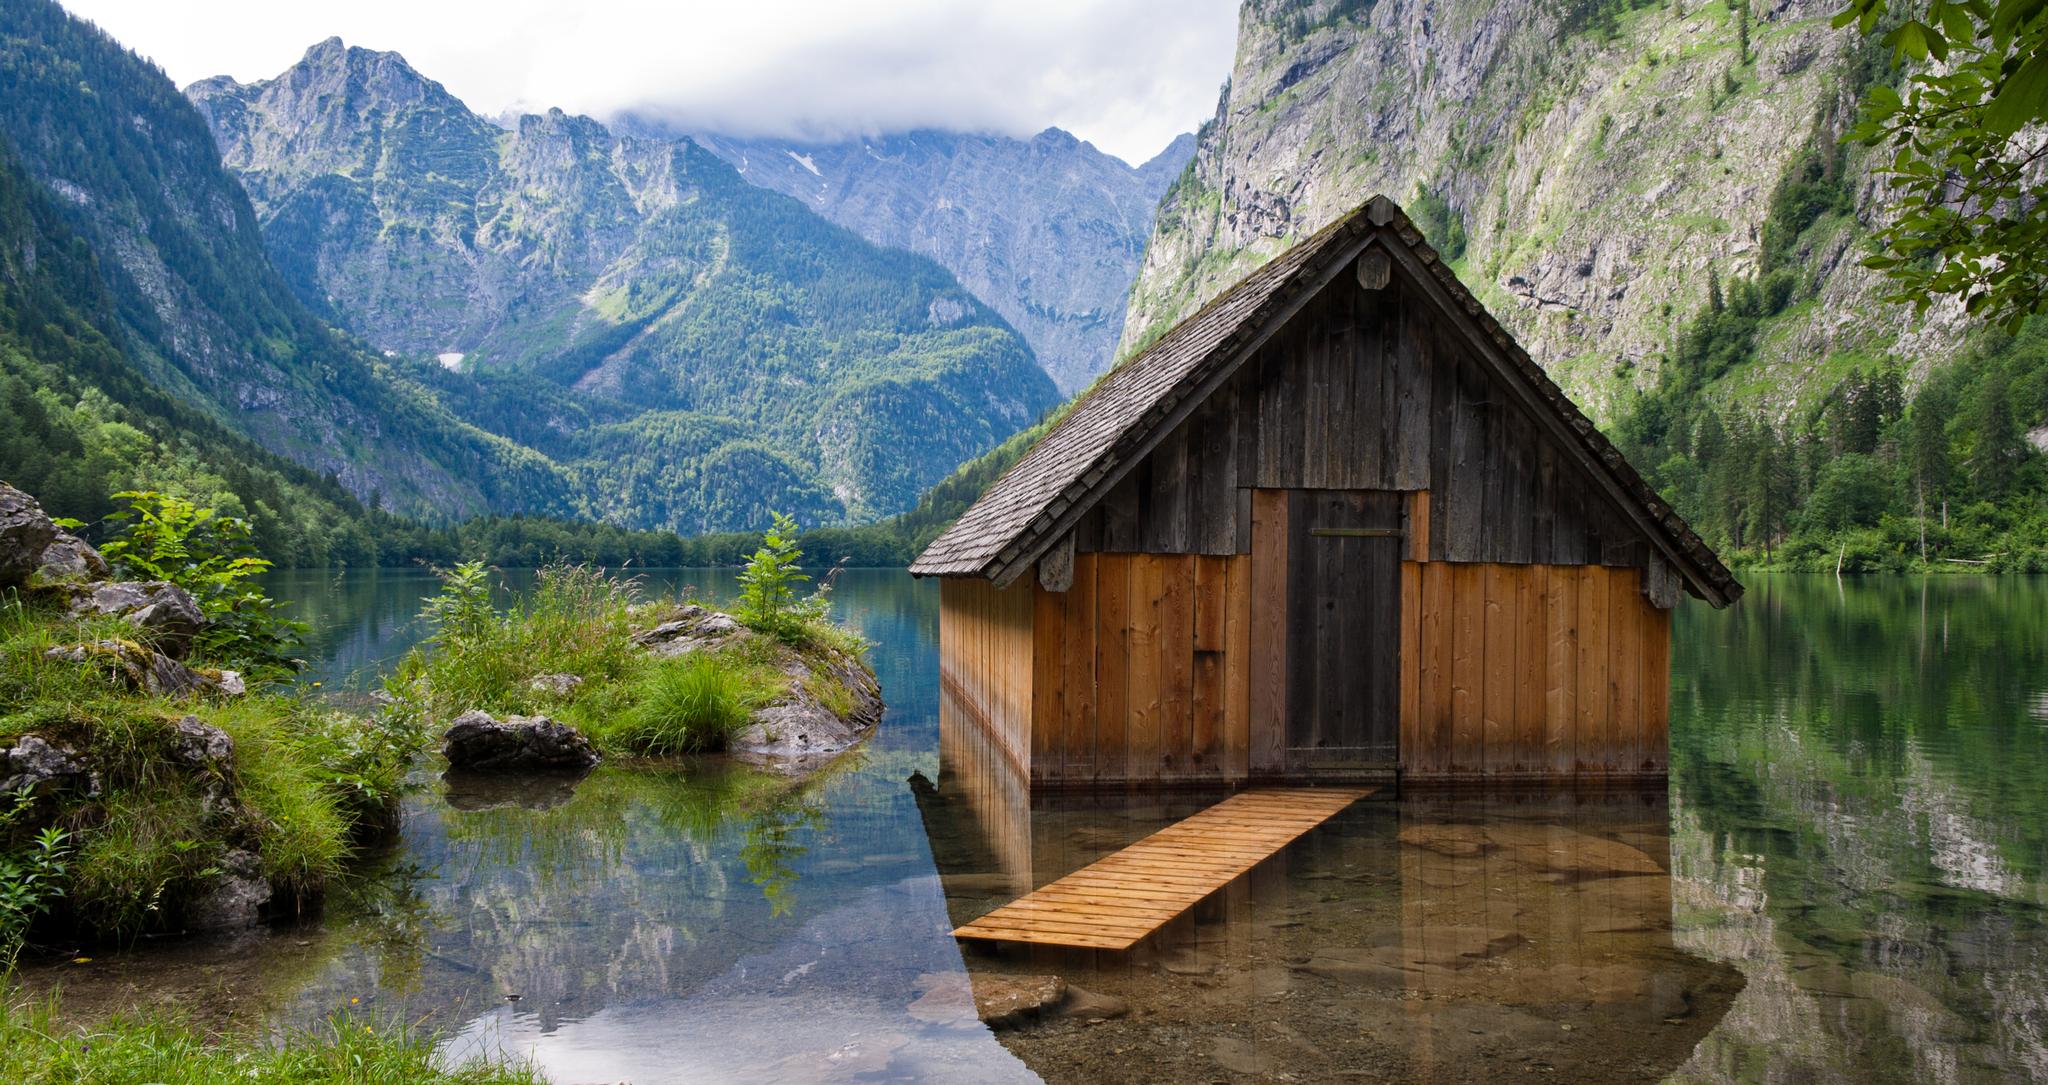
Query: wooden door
{"x":1343,"y":630}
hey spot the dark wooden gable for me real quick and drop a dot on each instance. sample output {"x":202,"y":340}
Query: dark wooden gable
{"x":1306,"y":375}
{"x":1364,"y":390}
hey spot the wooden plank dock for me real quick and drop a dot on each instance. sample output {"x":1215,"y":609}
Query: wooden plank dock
{"x":1116,"y":901}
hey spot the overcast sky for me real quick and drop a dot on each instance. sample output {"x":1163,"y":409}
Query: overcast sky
{"x":1126,"y":76}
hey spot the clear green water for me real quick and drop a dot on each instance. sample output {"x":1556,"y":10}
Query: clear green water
{"x":1844,"y":883}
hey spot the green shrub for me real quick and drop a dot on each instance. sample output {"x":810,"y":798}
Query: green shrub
{"x":161,"y":537}
{"x":691,"y":705}
{"x":31,"y":876}
{"x":768,"y":599}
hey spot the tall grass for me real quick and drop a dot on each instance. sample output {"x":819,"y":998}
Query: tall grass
{"x":37,"y":1048}
{"x":576,"y":620}
{"x":302,"y":781}
{"x":689,"y":705}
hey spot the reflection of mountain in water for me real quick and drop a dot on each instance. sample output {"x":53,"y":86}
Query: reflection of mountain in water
{"x":1858,"y":803}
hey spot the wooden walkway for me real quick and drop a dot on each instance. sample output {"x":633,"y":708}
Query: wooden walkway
{"x":1116,"y":901}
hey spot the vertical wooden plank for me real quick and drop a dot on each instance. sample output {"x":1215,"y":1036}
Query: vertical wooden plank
{"x":1498,"y":702}
{"x":1409,"y":359}
{"x":1210,"y":649}
{"x":1363,"y":416}
{"x":1176,"y":666}
{"x":1411,"y":659}
{"x":1593,"y":748}
{"x":1048,"y":712}
{"x":1418,"y":525}
{"x":1443,"y":381}
{"x":1238,"y":669}
{"x":1532,"y":651}
{"x":1624,"y":654}
{"x":1077,"y":672}
{"x":1112,"y":663}
{"x":1432,"y":754}
{"x":1165,"y":529}
{"x":1268,"y":702}
{"x":1142,"y":737}
{"x":1468,"y":677}
{"x":1210,"y":603}
{"x":1560,"y":703}
{"x":1543,"y":527}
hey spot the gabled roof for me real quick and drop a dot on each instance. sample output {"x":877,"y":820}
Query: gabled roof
{"x":1129,"y":411}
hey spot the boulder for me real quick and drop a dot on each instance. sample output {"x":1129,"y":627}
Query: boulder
{"x":693,"y":628}
{"x":69,"y":559}
{"x":164,"y":612}
{"x":201,"y":745}
{"x":25,"y":532}
{"x":35,"y":766}
{"x":480,"y":742}
{"x":561,"y":685}
{"x":142,"y":669}
{"x":799,"y":725}
{"x":237,"y":897}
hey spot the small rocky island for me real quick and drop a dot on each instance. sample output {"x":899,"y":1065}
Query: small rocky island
{"x":814,"y":704}
{"x":580,"y":669}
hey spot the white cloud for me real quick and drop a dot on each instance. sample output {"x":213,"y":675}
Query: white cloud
{"x":1126,"y":76}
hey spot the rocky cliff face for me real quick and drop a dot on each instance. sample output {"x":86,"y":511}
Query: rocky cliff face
{"x":696,"y":348}
{"x":1587,"y":167}
{"x":1048,"y":231}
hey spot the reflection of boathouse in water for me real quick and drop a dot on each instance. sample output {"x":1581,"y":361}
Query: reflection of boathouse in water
{"x":1431,"y":939}
{"x":1335,"y":525}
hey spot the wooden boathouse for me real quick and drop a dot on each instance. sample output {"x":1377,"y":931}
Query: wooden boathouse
{"x":1336,"y":525}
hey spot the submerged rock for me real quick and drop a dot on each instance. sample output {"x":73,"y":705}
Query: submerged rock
{"x":139,"y":668}
{"x":468,"y":790}
{"x":164,"y":612}
{"x":25,"y":532}
{"x":480,"y":742}
{"x":997,"y":1000}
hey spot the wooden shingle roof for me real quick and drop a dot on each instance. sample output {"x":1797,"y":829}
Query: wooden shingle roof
{"x":1116,"y":424}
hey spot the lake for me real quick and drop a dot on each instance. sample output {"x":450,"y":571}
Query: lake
{"x":1843,"y":882}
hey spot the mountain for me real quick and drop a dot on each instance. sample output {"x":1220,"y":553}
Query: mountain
{"x":137,"y":280}
{"x":695,"y":348}
{"x":1589,"y":168}
{"x":1049,"y":231}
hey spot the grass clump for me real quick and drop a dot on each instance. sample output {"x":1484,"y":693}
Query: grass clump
{"x":577,"y":621}
{"x":689,"y":705}
{"x":37,"y":1048}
